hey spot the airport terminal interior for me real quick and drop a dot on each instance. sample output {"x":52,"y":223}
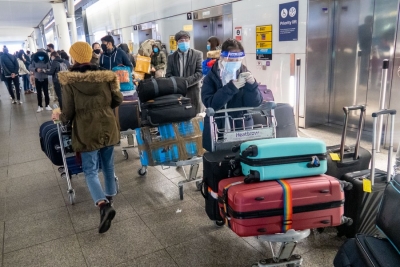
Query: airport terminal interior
{"x":328,"y":55}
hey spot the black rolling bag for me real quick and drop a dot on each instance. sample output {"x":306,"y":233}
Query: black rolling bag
{"x":360,"y":205}
{"x":150,"y":89}
{"x":351,"y":158}
{"x":216,"y":167}
{"x":50,"y":142}
{"x":167,"y":109}
{"x":127,"y":115}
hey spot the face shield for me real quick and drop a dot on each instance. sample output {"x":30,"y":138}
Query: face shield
{"x":230,"y":63}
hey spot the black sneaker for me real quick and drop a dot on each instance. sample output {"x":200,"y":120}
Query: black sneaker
{"x":110,"y":200}
{"x":107,"y":214}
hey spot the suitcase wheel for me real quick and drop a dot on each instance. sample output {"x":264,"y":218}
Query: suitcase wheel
{"x":61,"y":170}
{"x":142,"y":171}
{"x":125,"y":153}
{"x":346,"y":220}
{"x":346,"y":185}
{"x":219,"y":223}
{"x":235,"y":148}
{"x":251,"y":179}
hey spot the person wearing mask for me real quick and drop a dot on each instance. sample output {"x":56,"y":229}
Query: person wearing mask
{"x":158,"y":61}
{"x":40,"y":65}
{"x":96,"y":54}
{"x":28,"y":53}
{"x":57,"y":64}
{"x":125,"y":48}
{"x":10,"y":68}
{"x":213,"y":53}
{"x":186,"y":62}
{"x":229,"y":84}
{"x":23,"y":71}
{"x":112,"y":57}
{"x":50,"y":48}
{"x":65,"y":57}
{"x":162,"y":47}
{"x":90,"y":95}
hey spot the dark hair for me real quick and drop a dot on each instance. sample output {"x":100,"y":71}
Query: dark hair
{"x":50,"y":46}
{"x":214,"y":42}
{"x":54,"y":54}
{"x":20,"y":53}
{"x":232,"y":44}
{"x":28,"y":52}
{"x":108,"y":39}
{"x":94,"y":45}
{"x":64,"y":55}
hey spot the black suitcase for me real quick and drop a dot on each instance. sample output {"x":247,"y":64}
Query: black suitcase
{"x":42,"y":132}
{"x":286,"y":125}
{"x":216,"y":167}
{"x":167,"y":109}
{"x":351,"y":158}
{"x":50,"y":142}
{"x":152,"y":88}
{"x":362,"y":206}
{"x":128,"y":115}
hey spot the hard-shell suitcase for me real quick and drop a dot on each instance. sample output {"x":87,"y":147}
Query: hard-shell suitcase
{"x":167,"y":109}
{"x":351,"y":158}
{"x":216,"y":167}
{"x":361,"y":205}
{"x":276,"y":206}
{"x":153,"y":88}
{"x":50,"y":142}
{"x":127,"y":115}
{"x":284,"y":116}
{"x":266,"y":93}
{"x":42,"y":132}
{"x":292,"y":157}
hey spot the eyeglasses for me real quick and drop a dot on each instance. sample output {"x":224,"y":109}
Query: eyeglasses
{"x":182,"y":40}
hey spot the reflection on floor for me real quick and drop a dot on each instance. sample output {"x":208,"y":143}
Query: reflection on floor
{"x":38,"y":226}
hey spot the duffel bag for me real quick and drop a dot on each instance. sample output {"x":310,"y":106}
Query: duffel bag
{"x":152,"y":88}
{"x":167,"y":109}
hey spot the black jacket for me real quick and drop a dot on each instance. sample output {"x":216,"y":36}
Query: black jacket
{"x":116,"y":57}
{"x":9,"y":64}
{"x":55,"y":68}
{"x":193,"y":74}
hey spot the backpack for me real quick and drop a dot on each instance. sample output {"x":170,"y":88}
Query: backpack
{"x":124,"y":75}
{"x":63,"y":67}
{"x":146,"y":48}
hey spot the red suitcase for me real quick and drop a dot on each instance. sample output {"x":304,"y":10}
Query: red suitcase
{"x":260,"y":208}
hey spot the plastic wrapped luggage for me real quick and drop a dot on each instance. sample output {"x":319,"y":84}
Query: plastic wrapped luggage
{"x":153,"y":88}
{"x":216,"y":167}
{"x":348,"y":159}
{"x":276,"y":206}
{"x":167,"y":109}
{"x":125,"y":79}
{"x":292,"y":157}
{"x":363,"y":200}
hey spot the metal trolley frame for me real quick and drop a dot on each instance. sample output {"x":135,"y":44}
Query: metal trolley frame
{"x":130,"y":136}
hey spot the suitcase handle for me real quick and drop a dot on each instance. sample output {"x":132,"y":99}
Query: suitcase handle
{"x":344,"y":132}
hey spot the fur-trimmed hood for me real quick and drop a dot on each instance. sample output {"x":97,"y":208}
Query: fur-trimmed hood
{"x":214,"y":54}
{"x":41,"y":54}
{"x":100,"y":76}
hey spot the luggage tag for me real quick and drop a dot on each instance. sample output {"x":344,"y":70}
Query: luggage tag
{"x":334,"y":156}
{"x":367,"y":185}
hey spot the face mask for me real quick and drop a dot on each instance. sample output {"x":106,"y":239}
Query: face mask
{"x":229,"y":70}
{"x":97,"y":51}
{"x":48,"y":50}
{"x":41,"y":58}
{"x":208,"y":47}
{"x":155,"y":50}
{"x":184,"y":46}
{"x":104,"y":47}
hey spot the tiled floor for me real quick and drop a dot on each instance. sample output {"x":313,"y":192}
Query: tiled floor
{"x":38,"y":226}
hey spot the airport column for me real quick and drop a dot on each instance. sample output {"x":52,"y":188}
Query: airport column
{"x":61,"y":24}
{"x":32,"y":46}
{"x":72,"y":22}
{"x":39,"y":38}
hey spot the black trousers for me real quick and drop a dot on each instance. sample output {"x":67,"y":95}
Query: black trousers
{"x":9,"y":81}
{"x":57,"y":89}
{"x":42,"y":86}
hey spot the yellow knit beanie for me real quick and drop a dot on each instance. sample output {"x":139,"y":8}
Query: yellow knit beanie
{"x":81,"y":52}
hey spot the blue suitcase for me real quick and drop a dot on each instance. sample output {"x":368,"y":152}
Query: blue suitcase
{"x":282,"y":158}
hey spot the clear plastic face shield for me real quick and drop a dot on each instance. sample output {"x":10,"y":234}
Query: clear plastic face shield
{"x":230,"y":63}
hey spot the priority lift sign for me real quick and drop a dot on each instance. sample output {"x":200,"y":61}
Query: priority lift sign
{"x":289,"y":21}
{"x":264,"y":42}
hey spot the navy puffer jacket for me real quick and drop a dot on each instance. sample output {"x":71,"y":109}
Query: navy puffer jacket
{"x":9,"y":64}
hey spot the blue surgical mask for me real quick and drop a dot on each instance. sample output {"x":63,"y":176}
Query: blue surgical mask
{"x":184,"y":46}
{"x":208,"y":47}
{"x":155,"y":49}
{"x":229,"y":70}
{"x":41,"y":58}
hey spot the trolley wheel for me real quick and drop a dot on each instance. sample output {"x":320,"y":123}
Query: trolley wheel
{"x":117,"y":184}
{"x":71,"y":196}
{"x":219,"y":223}
{"x":181,"y":192}
{"x":63,"y":175}
{"x":142,"y":171}
{"x":60,"y":169}
{"x":125,"y":153}
{"x":199,"y":184}
{"x":320,"y":230}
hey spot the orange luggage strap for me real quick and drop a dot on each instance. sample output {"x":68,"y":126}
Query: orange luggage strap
{"x":225,"y":200}
{"x":287,"y":205}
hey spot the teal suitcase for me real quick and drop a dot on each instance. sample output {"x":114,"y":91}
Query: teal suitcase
{"x":282,"y":158}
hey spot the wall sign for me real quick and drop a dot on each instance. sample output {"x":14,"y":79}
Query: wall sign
{"x":172,"y":43}
{"x":288,"y":21}
{"x":264,"y":42}
{"x":135,"y":27}
{"x":189,"y":16}
{"x":238,"y":33}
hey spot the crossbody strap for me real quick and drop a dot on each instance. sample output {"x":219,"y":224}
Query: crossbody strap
{"x":287,"y":205}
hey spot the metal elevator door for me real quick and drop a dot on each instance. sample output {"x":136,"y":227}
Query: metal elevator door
{"x":204,"y":29}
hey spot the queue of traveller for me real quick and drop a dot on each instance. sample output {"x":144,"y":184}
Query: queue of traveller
{"x":88,"y":91}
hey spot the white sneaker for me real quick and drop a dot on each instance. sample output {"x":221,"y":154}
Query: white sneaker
{"x":49,"y":108}
{"x":19,"y":102}
{"x":14,"y":102}
{"x":39,"y":109}
{"x":10,"y":97}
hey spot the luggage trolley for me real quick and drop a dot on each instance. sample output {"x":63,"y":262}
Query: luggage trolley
{"x":70,"y":167}
{"x":130,"y":136}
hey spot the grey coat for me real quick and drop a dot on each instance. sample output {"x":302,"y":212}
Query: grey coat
{"x":193,"y":74}
{"x":38,"y":64}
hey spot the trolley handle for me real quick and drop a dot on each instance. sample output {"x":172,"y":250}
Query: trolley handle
{"x":350,"y":108}
{"x":384,"y":111}
{"x":268,"y":105}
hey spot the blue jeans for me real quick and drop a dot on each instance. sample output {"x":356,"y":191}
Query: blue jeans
{"x":90,"y":165}
{"x":25,"y":79}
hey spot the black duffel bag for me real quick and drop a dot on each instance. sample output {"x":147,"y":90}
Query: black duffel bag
{"x":150,"y":89}
{"x":167,"y":109}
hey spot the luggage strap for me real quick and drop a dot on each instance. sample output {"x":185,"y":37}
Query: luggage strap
{"x":212,"y":193}
{"x":155,"y":85}
{"x":175,"y":85}
{"x":287,"y":205}
{"x":225,"y":200}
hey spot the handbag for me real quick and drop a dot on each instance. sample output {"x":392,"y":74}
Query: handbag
{"x":143,"y":64}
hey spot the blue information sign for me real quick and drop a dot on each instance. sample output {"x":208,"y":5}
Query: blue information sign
{"x":288,"y":21}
